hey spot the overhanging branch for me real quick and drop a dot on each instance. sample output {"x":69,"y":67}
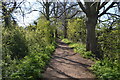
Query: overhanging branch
{"x":74,"y":14}
{"x":81,"y":5}
{"x":113,"y":14}
{"x":107,"y":9}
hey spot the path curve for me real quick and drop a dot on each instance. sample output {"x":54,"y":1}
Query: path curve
{"x":67,"y":64}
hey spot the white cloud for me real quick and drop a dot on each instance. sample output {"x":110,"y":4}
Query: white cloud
{"x":29,"y":19}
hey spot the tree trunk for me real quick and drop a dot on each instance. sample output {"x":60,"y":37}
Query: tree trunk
{"x":65,"y":29}
{"x":7,"y":21}
{"x":91,"y":44}
{"x":64,"y":20}
{"x":6,"y":15}
{"x":47,"y":10}
{"x":56,"y":35}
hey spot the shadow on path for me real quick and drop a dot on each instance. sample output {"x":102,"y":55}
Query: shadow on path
{"x":80,"y":64}
{"x":65,"y":64}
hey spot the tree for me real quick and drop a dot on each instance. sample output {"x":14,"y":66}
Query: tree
{"x":92,"y":11}
{"x":8,"y":8}
{"x":67,"y":11}
{"x":46,"y":10}
{"x":6,"y":12}
{"x":57,"y":10}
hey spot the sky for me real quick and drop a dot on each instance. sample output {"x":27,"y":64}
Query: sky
{"x":30,"y":18}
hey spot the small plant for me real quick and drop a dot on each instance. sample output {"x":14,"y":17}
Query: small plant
{"x":81,"y":48}
{"x":66,"y":41}
{"x":106,"y":70}
{"x":31,"y":66}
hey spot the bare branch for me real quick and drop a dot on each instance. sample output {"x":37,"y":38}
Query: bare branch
{"x":74,"y":14}
{"x":41,"y":4}
{"x":13,"y":8}
{"x":66,"y":10}
{"x":113,"y":14}
{"x":19,"y":4}
{"x":103,"y":4}
{"x":106,"y":9}
{"x":81,"y":5}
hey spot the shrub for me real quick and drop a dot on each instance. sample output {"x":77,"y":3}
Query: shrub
{"x":109,"y":67}
{"x":76,"y":30}
{"x":80,"y":48}
{"x":26,"y":51}
{"x":14,"y":47}
{"x":14,"y":43}
{"x":66,"y":41}
{"x":31,"y":66}
{"x":109,"y":42}
{"x":107,"y":70}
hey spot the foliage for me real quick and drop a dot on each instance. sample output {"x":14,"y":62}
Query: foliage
{"x":76,"y":30}
{"x":66,"y":41}
{"x":79,"y":48}
{"x":32,"y":66}
{"x":107,"y":70}
{"x":14,"y":47}
{"x":109,"y":42}
{"x":40,"y":37}
{"x":8,"y":66}
{"x":109,"y":67}
{"x":27,"y":51}
{"x":14,"y":42}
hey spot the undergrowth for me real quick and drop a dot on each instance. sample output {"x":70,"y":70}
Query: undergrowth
{"x":79,"y":48}
{"x":26,"y":51}
{"x":106,"y":69}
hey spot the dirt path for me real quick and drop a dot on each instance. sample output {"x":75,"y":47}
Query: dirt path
{"x":67,"y":64}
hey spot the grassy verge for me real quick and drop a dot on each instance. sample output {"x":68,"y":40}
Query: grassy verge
{"x":104,"y":69}
{"x":79,"y":48}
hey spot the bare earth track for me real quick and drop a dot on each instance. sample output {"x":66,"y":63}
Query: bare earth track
{"x":65,"y":64}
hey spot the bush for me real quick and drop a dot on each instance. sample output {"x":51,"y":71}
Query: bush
{"x":26,"y":51}
{"x":109,"y":67}
{"x":76,"y":30}
{"x":14,"y":43}
{"x":66,"y":41}
{"x":14,"y":47}
{"x":109,"y":42}
{"x":80,"y":48}
{"x":32,"y":66}
{"x":39,"y":38}
{"x":107,"y":70}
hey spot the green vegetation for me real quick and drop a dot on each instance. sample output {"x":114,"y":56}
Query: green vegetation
{"x":66,"y":41}
{"x":107,"y":68}
{"x":77,"y":30}
{"x":80,"y":48}
{"x":26,"y":52}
